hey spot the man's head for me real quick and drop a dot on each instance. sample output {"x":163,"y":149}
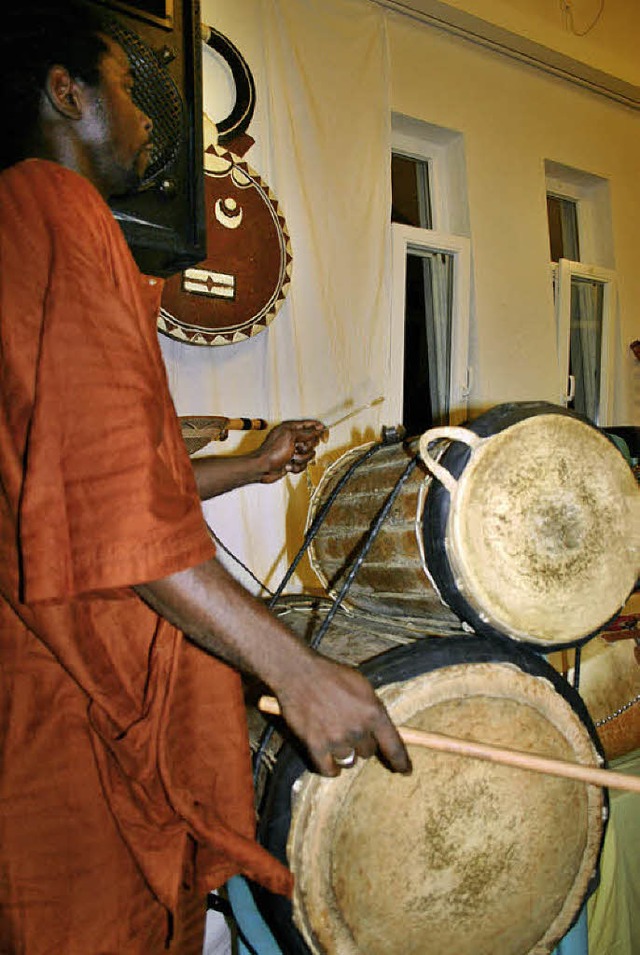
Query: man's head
{"x":67,"y":96}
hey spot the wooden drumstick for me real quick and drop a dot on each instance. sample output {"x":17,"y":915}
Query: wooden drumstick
{"x":496,"y":754}
{"x":246,"y":424}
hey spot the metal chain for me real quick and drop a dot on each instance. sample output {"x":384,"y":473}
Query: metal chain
{"x":618,"y":712}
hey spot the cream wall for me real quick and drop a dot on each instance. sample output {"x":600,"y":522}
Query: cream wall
{"x":599,"y":35}
{"x":513,"y":117}
{"x":611,"y":45}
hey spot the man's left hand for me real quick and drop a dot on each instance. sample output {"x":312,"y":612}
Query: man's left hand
{"x":288,"y":448}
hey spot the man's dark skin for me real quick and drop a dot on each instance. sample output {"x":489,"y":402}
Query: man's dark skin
{"x":101,"y":134}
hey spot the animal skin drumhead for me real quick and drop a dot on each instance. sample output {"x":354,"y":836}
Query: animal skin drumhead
{"x":463,"y":856}
{"x":544,"y":530}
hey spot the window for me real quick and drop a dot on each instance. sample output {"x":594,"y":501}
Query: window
{"x":410,"y":191}
{"x":563,"y":228}
{"x":585,"y":305}
{"x":584,"y":289}
{"x":431,"y":276}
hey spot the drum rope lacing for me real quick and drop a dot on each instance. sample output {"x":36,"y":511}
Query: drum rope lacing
{"x":319,"y":519}
{"x":361,"y":555}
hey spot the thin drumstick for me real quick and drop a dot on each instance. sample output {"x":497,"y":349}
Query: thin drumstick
{"x":496,"y":754}
{"x":214,"y":424}
{"x":350,"y":414}
{"x":354,"y":412}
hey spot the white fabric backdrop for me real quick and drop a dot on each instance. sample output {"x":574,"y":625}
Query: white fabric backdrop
{"x":322,"y":131}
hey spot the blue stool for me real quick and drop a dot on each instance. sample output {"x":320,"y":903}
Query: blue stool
{"x":575,"y":941}
{"x":249,"y":920}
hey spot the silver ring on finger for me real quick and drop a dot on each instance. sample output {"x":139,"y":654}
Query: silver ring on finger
{"x":345,"y":762}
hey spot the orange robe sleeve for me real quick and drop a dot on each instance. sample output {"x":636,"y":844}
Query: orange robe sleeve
{"x":109,"y":498}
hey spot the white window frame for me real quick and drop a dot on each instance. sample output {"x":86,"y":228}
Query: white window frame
{"x":566,"y":270}
{"x":409,"y":148}
{"x":592,"y":210}
{"x":584,"y":214}
{"x":443,"y":150}
{"x":406,"y":239}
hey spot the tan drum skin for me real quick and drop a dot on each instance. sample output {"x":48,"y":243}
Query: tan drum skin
{"x":463,"y":856}
{"x":542,"y":537}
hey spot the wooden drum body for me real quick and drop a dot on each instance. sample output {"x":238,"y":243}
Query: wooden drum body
{"x":463,"y":856}
{"x":609,"y":680}
{"x":532,"y":528}
{"x":393,"y":578}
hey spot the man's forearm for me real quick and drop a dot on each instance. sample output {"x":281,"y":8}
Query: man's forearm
{"x":218,"y":614}
{"x":217,"y":475}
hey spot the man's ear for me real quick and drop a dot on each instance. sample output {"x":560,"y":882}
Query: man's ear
{"x":64,"y":93}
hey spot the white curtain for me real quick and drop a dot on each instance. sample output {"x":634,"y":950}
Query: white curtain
{"x":322,"y":131}
{"x":438,"y":300}
{"x":585,"y":344}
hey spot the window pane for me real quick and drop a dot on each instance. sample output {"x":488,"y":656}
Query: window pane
{"x":427,"y":348}
{"x":585,"y":344}
{"x":410,"y":200}
{"x":562,"y":215}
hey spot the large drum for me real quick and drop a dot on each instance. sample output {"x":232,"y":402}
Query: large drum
{"x":463,"y":856}
{"x":532,"y":528}
{"x":393,"y":577}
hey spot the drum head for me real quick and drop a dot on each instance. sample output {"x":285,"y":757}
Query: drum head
{"x":463,"y":856}
{"x":543,"y":530}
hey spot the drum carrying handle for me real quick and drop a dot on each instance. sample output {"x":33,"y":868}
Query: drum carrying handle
{"x":451,"y":433}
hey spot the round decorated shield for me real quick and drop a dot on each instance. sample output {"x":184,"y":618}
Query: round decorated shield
{"x":238,"y":289}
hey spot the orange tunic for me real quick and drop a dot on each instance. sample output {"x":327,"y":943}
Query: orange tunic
{"x":123,"y":745}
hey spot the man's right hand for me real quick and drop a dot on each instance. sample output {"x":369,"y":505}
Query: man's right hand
{"x":335,"y":712}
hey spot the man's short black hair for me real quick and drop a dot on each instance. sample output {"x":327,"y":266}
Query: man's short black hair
{"x":34,"y":36}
